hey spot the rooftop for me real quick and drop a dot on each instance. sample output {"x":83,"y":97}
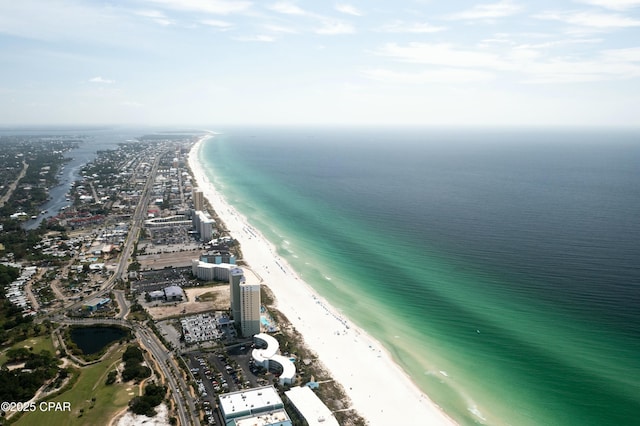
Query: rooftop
{"x":278,"y":417}
{"x":173,"y":290}
{"x":250,"y":402}
{"x":311,"y":407}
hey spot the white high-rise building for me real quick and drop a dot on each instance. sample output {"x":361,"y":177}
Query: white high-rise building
{"x":236,"y":278}
{"x":203,"y":225}
{"x":249,"y":309}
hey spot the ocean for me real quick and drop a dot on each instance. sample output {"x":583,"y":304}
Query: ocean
{"x":499,"y":267}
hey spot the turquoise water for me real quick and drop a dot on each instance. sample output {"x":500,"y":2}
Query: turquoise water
{"x":499,"y":267}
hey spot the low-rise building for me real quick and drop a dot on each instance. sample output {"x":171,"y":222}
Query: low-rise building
{"x":310,"y":407}
{"x":95,"y":304}
{"x":256,"y":407}
{"x":266,"y":355}
{"x":173,"y":293}
{"x":156,"y":295}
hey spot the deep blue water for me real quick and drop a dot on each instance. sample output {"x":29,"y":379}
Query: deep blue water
{"x":498,"y":266}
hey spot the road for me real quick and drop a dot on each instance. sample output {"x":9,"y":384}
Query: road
{"x":176,"y":382}
{"x":122,"y":303}
{"x":187,"y":413}
{"x":127,"y":251}
{"x":14,"y":184}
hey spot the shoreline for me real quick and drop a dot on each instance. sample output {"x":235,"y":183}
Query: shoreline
{"x":384,"y":397}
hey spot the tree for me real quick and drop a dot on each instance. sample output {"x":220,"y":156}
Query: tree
{"x":111,"y":377}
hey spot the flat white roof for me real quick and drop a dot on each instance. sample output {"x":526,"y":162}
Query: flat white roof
{"x":279,"y":417}
{"x":311,"y":407}
{"x":97,"y":300}
{"x":246,"y":402}
{"x":208,"y":265}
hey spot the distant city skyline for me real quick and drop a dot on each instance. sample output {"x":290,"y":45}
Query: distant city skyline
{"x":224,"y":62}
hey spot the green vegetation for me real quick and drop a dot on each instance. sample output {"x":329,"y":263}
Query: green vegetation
{"x":44,"y":155}
{"x":153,"y":396}
{"x":8,"y":274}
{"x":22,"y":383}
{"x":133,"y":368}
{"x":10,"y":314}
{"x":111,"y":377}
{"x":92,"y":402}
{"x":134,"y":266}
{"x":138,"y":313}
{"x":34,"y":344}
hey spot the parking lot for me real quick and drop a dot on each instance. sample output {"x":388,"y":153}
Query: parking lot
{"x":202,"y":327}
{"x":157,"y":280}
{"x":170,"y":235}
{"x":169,"y":256}
{"x":218,"y":372}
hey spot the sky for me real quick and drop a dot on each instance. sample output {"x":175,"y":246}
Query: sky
{"x":365,"y":62}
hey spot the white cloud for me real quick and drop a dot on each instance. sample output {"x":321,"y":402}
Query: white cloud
{"x":560,"y":43}
{"x":631,"y":54}
{"x":221,"y":25}
{"x":260,"y":38}
{"x":411,"y":27}
{"x":156,"y":16}
{"x":488,"y":11}
{"x":335,"y":28}
{"x":526,"y":63}
{"x":217,"y":7}
{"x":348,"y":9}
{"x":442,"y":75}
{"x":445,"y":55}
{"x":56,"y":21}
{"x":101,"y":80}
{"x":613,"y":4}
{"x":287,"y":9}
{"x":280,"y":29}
{"x":602,"y":68}
{"x":591,"y":19}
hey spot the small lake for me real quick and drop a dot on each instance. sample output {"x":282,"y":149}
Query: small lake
{"x":93,"y":339}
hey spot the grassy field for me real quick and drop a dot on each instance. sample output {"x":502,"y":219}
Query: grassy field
{"x":92,"y":402}
{"x":37,"y":343}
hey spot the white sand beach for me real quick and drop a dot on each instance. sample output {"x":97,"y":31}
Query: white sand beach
{"x":379,"y":389}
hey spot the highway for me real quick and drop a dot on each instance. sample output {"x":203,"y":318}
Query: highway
{"x":186,"y":409}
{"x":137,"y":221}
{"x":165,"y":362}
